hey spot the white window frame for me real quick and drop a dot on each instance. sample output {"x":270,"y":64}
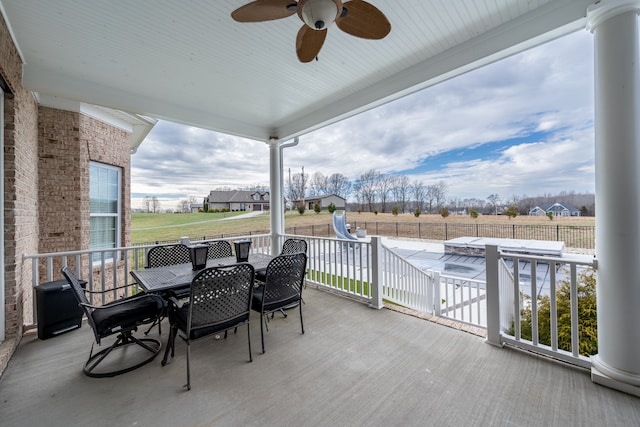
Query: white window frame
{"x":117,"y":215}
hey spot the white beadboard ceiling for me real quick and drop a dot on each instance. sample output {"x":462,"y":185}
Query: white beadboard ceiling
{"x":189,"y":62}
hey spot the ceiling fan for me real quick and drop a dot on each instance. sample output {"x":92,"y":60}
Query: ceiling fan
{"x":355,"y":17}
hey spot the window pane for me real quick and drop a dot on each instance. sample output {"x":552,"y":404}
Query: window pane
{"x":102,"y":234}
{"x":104,"y":183}
{"x":103,"y":192}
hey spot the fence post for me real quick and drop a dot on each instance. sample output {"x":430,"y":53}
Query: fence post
{"x":436,"y":301}
{"x":493,"y":295}
{"x":396,"y":229}
{"x":419,"y":231}
{"x":376,"y":273}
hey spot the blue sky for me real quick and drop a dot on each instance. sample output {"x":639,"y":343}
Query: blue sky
{"x":520,"y":126}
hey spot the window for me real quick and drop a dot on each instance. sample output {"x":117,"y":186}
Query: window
{"x":104,"y":196}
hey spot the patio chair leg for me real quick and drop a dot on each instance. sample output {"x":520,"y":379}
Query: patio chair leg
{"x":249,"y":338}
{"x":262,"y":332}
{"x":188,"y":366}
{"x":301,"y":324}
{"x":170,"y":345}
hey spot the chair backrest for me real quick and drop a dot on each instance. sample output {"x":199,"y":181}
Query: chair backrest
{"x":284,"y":278}
{"x":294,"y":246}
{"x":219,"y":249}
{"x":220,"y":295}
{"x":161,"y":256}
{"x":81,"y":297}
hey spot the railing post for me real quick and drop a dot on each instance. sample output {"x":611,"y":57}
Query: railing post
{"x":436,"y":301}
{"x":376,"y":273}
{"x":493,"y":295}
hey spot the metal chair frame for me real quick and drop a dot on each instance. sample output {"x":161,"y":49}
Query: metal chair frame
{"x":281,"y":289}
{"x":149,"y":307}
{"x":220,"y":299}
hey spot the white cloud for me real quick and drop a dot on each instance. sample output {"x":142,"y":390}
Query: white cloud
{"x":547,"y":89}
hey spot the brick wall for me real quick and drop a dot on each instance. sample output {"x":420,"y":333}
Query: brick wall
{"x":21,"y":193}
{"x":46,"y":169}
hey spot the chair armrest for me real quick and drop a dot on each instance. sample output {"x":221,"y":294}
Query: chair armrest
{"x":88,"y":291}
{"x":122,"y":301}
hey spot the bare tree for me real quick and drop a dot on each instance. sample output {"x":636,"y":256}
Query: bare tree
{"x":298,"y":186}
{"x":146,"y":202}
{"x":339,"y":185}
{"x":155,"y":204}
{"x":367,"y":187}
{"x":400,"y":191}
{"x":494,"y":200}
{"x":184,"y":206}
{"x":319,"y":184}
{"x":385,"y":184}
{"x":439,"y":193}
{"x":418,"y":194}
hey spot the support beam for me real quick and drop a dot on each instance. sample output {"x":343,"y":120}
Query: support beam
{"x":617,"y":166}
{"x":276,"y":187}
{"x":276,"y":205}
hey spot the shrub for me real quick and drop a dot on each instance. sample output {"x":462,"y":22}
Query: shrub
{"x":512,"y":211}
{"x":444,"y":212}
{"x":473,"y":213}
{"x":316,"y":207}
{"x":417,"y":212}
{"x":394,"y":210}
{"x":331,"y":208}
{"x":550,"y":216}
{"x":587,"y":315}
{"x":301,"y":209}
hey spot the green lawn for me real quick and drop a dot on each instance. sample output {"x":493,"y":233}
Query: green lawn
{"x":162,"y":227}
{"x":146,"y":220}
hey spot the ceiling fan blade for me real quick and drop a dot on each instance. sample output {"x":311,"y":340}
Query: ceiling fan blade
{"x":264,"y":10}
{"x":309,"y":42}
{"x":364,"y":20}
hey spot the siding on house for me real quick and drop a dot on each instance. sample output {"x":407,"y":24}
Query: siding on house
{"x":555,"y":209}
{"x":238,"y":200}
{"x":324,"y":202}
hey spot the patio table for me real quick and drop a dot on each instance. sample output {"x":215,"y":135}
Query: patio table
{"x":163,"y":279}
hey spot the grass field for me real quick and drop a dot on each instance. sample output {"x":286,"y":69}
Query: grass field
{"x":165,"y":227}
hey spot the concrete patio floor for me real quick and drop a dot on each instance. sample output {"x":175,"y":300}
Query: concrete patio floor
{"x":353,"y":366}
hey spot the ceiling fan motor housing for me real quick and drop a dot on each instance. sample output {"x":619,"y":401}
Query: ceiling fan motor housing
{"x":319,"y":14}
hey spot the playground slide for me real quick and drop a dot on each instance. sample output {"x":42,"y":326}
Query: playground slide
{"x":340,"y":226}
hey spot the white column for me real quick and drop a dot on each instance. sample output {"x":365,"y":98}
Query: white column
{"x":617,"y":169}
{"x":276,"y":210}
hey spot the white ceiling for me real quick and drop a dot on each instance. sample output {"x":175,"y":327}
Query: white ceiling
{"x":189,"y":62}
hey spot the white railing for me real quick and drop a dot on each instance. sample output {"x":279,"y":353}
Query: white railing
{"x":342,"y":266}
{"x":372,"y":272}
{"x":405,"y":284}
{"x":461,"y":299}
{"x":103,"y":275}
{"x":518,"y":289}
{"x":368,"y":271}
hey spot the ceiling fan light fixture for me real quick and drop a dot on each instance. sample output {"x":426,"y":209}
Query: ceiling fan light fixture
{"x":319,"y":14}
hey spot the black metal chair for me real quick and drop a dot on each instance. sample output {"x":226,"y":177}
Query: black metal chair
{"x":162,"y":256}
{"x":281,"y":289}
{"x":220,"y":299}
{"x":120,"y":317}
{"x":290,"y":246}
{"x":294,"y":246}
{"x":219,"y":249}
